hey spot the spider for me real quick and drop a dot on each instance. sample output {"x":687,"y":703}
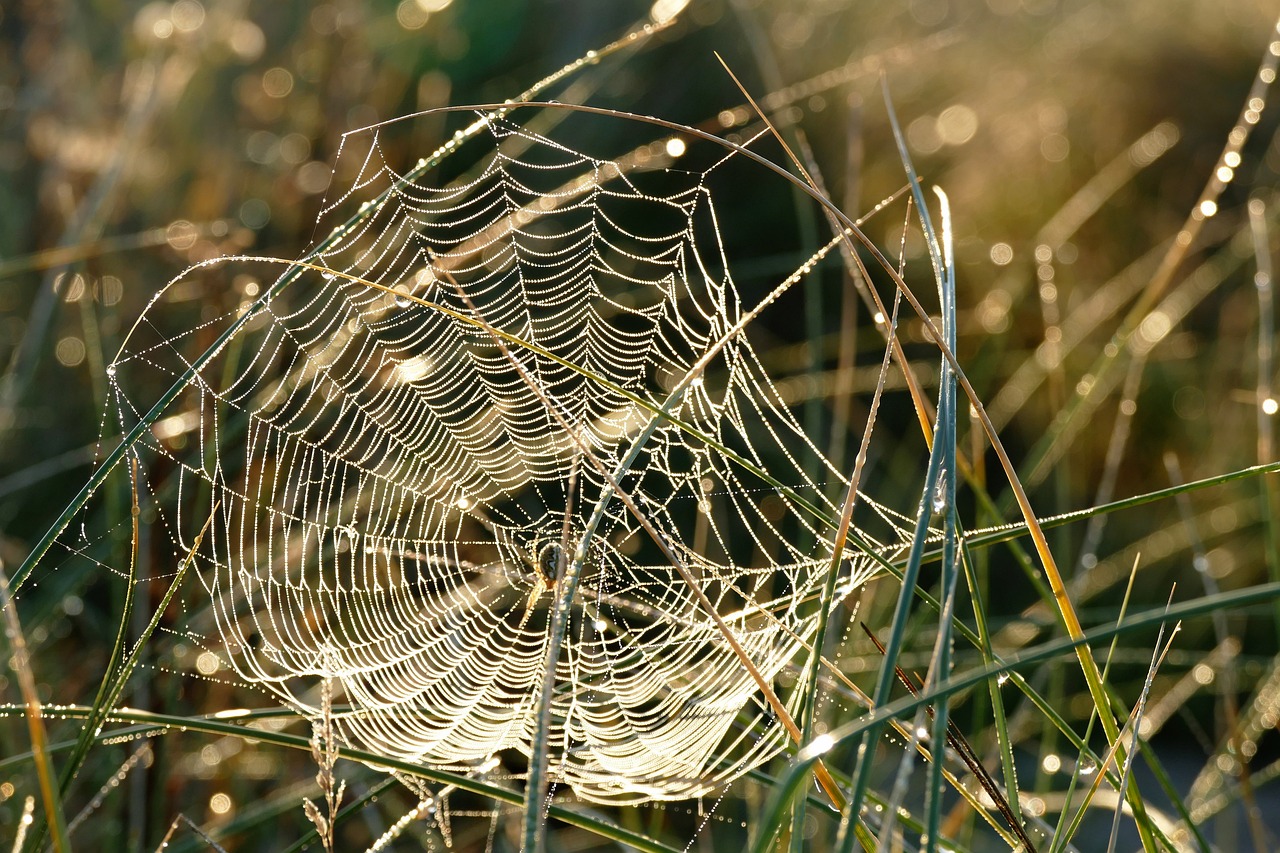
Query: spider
{"x":546,"y":565}
{"x":551,"y":559}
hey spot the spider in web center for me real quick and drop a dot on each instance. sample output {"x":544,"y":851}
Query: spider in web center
{"x":546,"y":569}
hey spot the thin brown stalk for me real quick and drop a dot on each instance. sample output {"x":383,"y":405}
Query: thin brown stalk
{"x":183,"y":820}
{"x":324,"y":751}
{"x":20,"y":661}
{"x":924,"y":412}
{"x":961,"y":746}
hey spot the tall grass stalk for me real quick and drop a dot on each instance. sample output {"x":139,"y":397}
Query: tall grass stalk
{"x":20,"y":663}
{"x":324,"y":751}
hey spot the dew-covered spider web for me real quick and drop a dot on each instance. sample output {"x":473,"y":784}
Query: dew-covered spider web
{"x":404,"y":443}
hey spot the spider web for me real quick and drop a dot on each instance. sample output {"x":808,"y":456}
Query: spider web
{"x":395,"y":495}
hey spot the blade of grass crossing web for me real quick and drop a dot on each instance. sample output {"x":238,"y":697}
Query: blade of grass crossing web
{"x":944,"y":502}
{"x":100,"y":702}
{"x":865,"y":747}
{"x":864,"y":750}
{"x":809,"y":709}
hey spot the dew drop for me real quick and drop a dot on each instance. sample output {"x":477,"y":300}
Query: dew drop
{"x":940,"y":493}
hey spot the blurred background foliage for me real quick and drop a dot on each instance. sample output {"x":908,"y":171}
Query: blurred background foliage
{"x":139,"y":138}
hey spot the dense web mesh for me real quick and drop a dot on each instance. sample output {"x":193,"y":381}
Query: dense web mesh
{"x":394,"y":500}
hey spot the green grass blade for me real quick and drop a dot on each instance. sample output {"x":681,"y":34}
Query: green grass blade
{"x":854,"y":731}
{"x":897,"y":631}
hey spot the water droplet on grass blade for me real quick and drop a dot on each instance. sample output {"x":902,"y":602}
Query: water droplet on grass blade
{"x":939,"y":500}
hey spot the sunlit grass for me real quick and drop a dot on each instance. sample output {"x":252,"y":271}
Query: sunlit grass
{"x":1106,"y":273}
